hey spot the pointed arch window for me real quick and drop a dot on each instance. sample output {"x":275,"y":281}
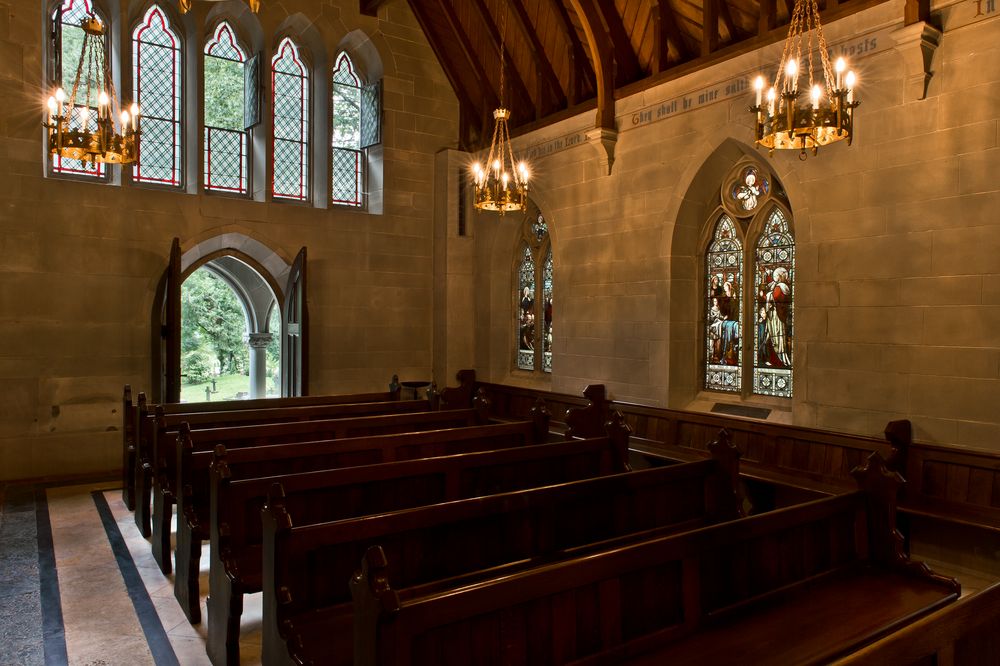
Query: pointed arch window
{"x":533,"y":325}
{"x":227,"y":155}
{"x":290,"y":86}
{"x":156,"y":77}
{"x":67,"y":44}
{"x":356,"y":118}
{"x":748,"y":325}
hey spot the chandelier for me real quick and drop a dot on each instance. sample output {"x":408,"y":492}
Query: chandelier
{"x":827,"y":115}
{"x":186,"y":5}
{"x":74,"y":132}
{"x":502,"y":184}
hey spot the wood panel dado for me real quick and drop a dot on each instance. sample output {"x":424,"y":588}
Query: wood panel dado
{"x":957,"y":485}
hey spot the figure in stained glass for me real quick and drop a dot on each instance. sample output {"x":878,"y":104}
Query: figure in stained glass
{"x":773,"y":303}
{"x":723,"y":350}
{"x":526,"y":312}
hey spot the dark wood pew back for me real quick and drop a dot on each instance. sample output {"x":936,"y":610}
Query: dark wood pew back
{"x":652,"y":600}
{"x":306,"y":566}
{"x":129,"y":420}
{"x":316,"y":497}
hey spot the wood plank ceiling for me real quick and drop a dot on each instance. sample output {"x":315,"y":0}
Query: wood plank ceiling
{"x":568,"y":56}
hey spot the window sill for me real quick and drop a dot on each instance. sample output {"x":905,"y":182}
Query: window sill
{"x":780,"y":408}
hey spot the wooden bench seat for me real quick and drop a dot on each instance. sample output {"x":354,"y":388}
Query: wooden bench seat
{"x":165,"y":492}
{"x":323,"y":496}
{"x":193,"y":501}
{"x":307,"y":606}
{"x":644,"y":599}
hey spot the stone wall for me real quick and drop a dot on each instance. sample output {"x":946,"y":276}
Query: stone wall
{"x":898,"y":257}
{"x":79,"y":262}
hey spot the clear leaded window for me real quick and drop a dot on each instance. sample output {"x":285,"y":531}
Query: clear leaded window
{"x":347,"y":159}
{"x":290,"y":80}
{"x":533,"y":326}
{"x":227,"y":165}
{"x":66,"y":50}
{"x":751,"y":230}
{"x":156,"y":75}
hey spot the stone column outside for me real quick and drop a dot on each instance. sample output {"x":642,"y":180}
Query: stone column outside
{"x":258,"y":364}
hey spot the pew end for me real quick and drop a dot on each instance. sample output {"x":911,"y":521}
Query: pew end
{"x":374,"y":602}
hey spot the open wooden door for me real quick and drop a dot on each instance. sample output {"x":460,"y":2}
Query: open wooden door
{"x":165,"y":331}
{"x":295,"y":345}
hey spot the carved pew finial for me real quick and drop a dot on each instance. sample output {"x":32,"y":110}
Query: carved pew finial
{"x":461,"y":396}
{"x":588,"y":421}
{"x":374,"y":599}
{"x":727,"y":500}
{"x":482,"y":406}
{"x":541,"y":416}
{"x":619,"y":432}
{"x":395,"y":388}
{"x":899,"y":434}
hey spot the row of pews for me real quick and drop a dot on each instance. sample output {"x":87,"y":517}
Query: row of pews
{"x":389,"y":531}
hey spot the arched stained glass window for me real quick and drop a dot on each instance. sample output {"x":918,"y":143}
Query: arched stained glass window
{"x":156,"y":75}
{"x":290,"y":85}
{"x":526,"y":311}
{"x":774,"y":274}
{"x":67,"y":47}
{"x":347,"y":159}
{"x":533,"y":295}
{"x":547,"y":313}
{"x":723,"y":351}
{"x":226,"y":136}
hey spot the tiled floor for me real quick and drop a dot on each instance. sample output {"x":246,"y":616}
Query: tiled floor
{"x":116,"y":607}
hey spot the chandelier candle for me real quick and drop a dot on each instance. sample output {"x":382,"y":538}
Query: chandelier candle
{"x":827,"y":118}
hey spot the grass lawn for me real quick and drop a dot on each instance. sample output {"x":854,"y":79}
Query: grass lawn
{"x":227,"y":387}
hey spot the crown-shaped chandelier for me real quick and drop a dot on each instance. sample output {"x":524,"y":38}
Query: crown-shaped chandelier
{"x":186,"y":5}
{"x":502,"y":184}
{"x":828,"y":115}
{"x":74,"y":132}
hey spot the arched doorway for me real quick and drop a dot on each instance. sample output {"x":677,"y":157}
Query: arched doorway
{"x":270,"y":320}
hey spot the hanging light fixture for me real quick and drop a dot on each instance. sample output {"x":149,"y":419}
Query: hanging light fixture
{"x":502,"y":183}
{"x":186,"y":5}
{"x":72,"y":134}
{"x":827,"y":114}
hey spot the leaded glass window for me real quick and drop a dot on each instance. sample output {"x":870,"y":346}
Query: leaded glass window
{"x":290,"y":85}
{"x":533,"y":296}
{"x":66,"y":54}
{"x":774,"y":271}
{"x":723,"y":351}
{"x":156,"y":75}
{"x":347,"y":158}
{"x":227,"y":165}
{"x":526,"y":311}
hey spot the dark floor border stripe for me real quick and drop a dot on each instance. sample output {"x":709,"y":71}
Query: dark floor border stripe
{"x":156,"y":636}
{"x":53,"y":630}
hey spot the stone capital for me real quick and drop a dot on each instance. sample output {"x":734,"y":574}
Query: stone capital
{"x":260,"y":340}
{"x":604,"y":140}
{"x":917,"y":43}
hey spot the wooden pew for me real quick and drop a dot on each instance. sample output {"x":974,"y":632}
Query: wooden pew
{"x":803,"y":584}
{"x":324,"y":496}
{"x":165,"y":492}
{"x":138,"y":484}
{"x":128,"y":448}
{"x":966,"y":632}
{"x":307,"y":609}
{"x":194,"y":484}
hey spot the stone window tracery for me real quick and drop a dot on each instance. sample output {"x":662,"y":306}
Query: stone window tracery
{"x":533,"y":325}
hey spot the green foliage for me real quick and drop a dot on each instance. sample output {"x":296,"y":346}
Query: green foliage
{"x":274,"y":347}
{"x":346,"y":116}
{"x":197,"y":364}
{"x":224,"y":93}
{"x":212,"y":319}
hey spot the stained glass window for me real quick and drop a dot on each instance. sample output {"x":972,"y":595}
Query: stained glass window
{"x":347,"y":159}
{"x":774,"y":280}
{"x":749,"y":188}
{"x":69,"y":45}
{"x":723,"y":349}
{"x":526,"y":311}
{"x":226,"y":144}
{"x":290,"y":85}
{"x":547,"y":312}
{"x":156,"y":75}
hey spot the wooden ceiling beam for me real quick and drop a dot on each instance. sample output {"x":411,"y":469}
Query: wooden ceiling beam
{"x":768,"y":16}
{"x":665,"y":32}
{"x":710,"y":27}
{"x":512,"y":73}
{"x":470,"y":53}
{"x":627,"y":67}
{"x":580,"y":67}
{"x":735,"y":32}
{"x":915,"y":11}
{"x":538,"y":53}
{"x":370,"y":7}
{"x":602,"y":52}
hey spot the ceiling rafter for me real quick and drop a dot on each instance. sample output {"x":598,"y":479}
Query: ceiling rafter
{"x":735,"y":31}
{"x":602,"y":52}
{"x":710,"y":27}
{"x":665,"y":31}
{"x":626,"y":62}
{"x":470,"y":53}
{"x":580,"y":66}
{"x":538,"y":52}
{"x":515,"y":75}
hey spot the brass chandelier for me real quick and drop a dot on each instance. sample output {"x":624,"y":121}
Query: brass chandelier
{"x":72,"y":134}
{"x":186,"y":5}
{"x":502,"y":184}
{"x":828,"y":114}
